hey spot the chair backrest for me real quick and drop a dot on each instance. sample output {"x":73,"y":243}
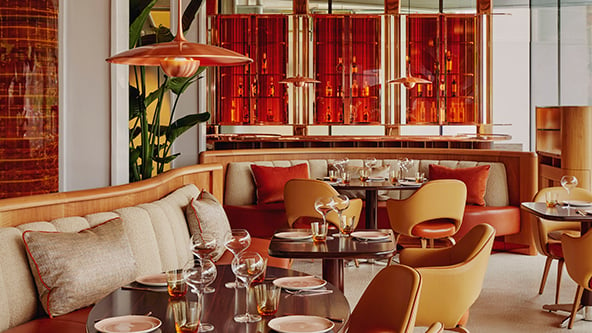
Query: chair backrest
{"x":301,"y":194}
{"x":437,"y":199}
{"x":576,"y":251}
{"x":389,"y":303}
{"x":452,"y":277}
{"x":542,"y":227}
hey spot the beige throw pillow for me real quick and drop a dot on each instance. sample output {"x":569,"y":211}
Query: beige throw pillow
{"x":205,"y":215}
{"x":76,"y":269}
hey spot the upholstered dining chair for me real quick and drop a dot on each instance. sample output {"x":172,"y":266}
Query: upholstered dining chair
{"x":547,"y":234}
{"x":300,"y":196}
{"x":452,"y":277}
{"x":396,"y":288}
{"x":576,"y":251}
{"x":434,"y":211}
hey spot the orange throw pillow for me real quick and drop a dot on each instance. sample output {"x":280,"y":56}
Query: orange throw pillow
{"x":270,"y":181}
{"x":475,"y":179}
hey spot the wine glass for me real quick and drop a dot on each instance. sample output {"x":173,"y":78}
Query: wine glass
{"x":324,"y":205}
{"x":370,"y":162}
{"x":341,"y":204}
{"x":568,"y":183}
{"x":247,"y":266}
{"x":203,"y":247}
{"x":199,"y":273}
{"x":236,"y":241}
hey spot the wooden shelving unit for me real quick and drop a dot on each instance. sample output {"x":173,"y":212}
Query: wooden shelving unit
{"x":564,"y":144}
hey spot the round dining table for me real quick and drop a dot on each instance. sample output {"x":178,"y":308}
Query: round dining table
{"x":221,"y":305}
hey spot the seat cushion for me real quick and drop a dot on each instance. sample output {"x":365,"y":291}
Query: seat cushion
{"x":270,"y":181}
{"x":434,"y":229}
{"x":74,"y":270}
{"x":505,"y":220}
{"x":475,"y":178}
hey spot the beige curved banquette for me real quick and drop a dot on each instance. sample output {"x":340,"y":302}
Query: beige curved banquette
{"x":512,"y":180}
{"x":152,"y":212}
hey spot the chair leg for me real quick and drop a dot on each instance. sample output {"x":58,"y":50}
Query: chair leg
{"x":576,"y":306}
{"x":423,"y":243}
{"x":545,"y":274}
{"x":560,"y":263}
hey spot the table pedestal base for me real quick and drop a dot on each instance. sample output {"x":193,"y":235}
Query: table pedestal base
{"x":333,"y":272}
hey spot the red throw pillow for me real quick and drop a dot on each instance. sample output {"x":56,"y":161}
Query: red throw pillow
{"x":475,"y":179}
{"x":270,"y":181}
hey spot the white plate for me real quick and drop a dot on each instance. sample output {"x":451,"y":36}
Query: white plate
{"x":577,"y":203}
{"x":154,"y":280}
{"x":301,"y":324}
{"x":408,"y":182}
{"x":129,"y":324}
{"x":296,"y":235}
{"x":300,"y":282}
{"x":370,"y":235}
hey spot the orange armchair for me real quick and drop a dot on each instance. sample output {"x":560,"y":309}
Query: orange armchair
{"x":434,"y":211}
{"x":301,"y":194}
{"x":452,"y":277}
{"x":576,"y":251}
{"x":396,"y":290}
{"x":546,"y":234}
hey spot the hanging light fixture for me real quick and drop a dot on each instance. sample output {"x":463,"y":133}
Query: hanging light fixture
{"x":409,"y":81}
{"x":179,"y":58}
{"x":299,"y":81}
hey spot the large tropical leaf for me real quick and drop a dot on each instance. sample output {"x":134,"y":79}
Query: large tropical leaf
{"x":178,"y":85}
{"x":137,"y":25}
{"x":153,"y":96}
{"x":167,"y":159}
{"x":181,"y":125}
{"x":135,"y":102}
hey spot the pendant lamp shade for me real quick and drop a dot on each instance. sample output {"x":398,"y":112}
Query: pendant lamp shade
{"x":179,"y":58}
{"x":299,"y":81}
{"x":409,"y":81}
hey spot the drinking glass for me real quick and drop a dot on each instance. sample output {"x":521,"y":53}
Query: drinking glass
{"x":203,"y":247}
{"x":370,"y":162}
{"x":199,"y":273}
{"x":341,"y":204}
{"x":247,"y":266}
{"x":236,"y":241}
{"x":568,"y":183}
{"x":324,"y":205}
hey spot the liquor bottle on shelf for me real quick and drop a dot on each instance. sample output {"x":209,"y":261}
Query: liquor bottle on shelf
{"x":328,"y":89}
{"x":234,"y":115}
{"x":328,"y":114}
{"x":365,"y":89}
{"x":429,"y":88}
{"x":454,"y":88}
{"x":239,"y":89}
{"x":433,"y":116}
{"x":339,"y":67}
{"x":355,"y":88}
{"x":461,"y":111}
{"x":419,"y":90}
{"x":254,"y":87}
{"x":264,"y":63}
{"x":448,"y":61}
{"x":366,"y":114}
{"x":354,"y":65}
{"x":422,"y":111}
{"x":269,"y":114}
{"x":452,"y":112}
{"x":247,"y":65}
{"x":271,"y":87}
{"x":339,"y":92}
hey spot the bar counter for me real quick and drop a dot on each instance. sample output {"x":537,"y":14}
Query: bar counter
{"x":259,"y":141}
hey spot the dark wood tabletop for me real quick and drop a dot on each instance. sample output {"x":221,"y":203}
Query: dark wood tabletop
{"x":220,"y":306}
{"x":333,"y":251}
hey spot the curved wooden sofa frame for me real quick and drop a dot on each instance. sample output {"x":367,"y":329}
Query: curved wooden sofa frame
{"x":521,"y":169}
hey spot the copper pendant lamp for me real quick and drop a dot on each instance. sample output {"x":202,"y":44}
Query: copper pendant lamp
{"x":299,"y":81}
{"x":179,"y":58}
{"x":409,"y":81}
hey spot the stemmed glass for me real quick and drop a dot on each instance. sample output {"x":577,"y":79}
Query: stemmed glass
{"x":370,"y":162}
{"x":341,"y":204}
{"x":236,"y":241}
{"x":247,"y":266}
{"x":341,"y":166}
{"x":203,"y":247}
{"x":324,"y":205}
{"x":199,"y":273}
{"x":568,"y":183}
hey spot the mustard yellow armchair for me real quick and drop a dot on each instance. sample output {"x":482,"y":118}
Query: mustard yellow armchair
{"x":389,"y":303}
{"x":300,"y":196}
{"x":434,"y":211}
{"x":452,"y":277}
{"x":546,"y":234}
{"x":576,"y":251}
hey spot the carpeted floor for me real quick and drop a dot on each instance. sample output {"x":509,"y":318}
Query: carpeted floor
{"x":509,"y":301}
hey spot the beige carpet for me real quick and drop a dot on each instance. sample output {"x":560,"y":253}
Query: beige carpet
{"x":509,"y":301}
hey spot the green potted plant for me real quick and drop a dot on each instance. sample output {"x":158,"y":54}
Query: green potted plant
{"x":151,"y":153}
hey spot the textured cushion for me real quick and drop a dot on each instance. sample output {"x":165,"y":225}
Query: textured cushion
{"x":475,"y":179}
{"x":74,"y":270}
{"x":270,"y":181}
{"x":205,"y":215}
